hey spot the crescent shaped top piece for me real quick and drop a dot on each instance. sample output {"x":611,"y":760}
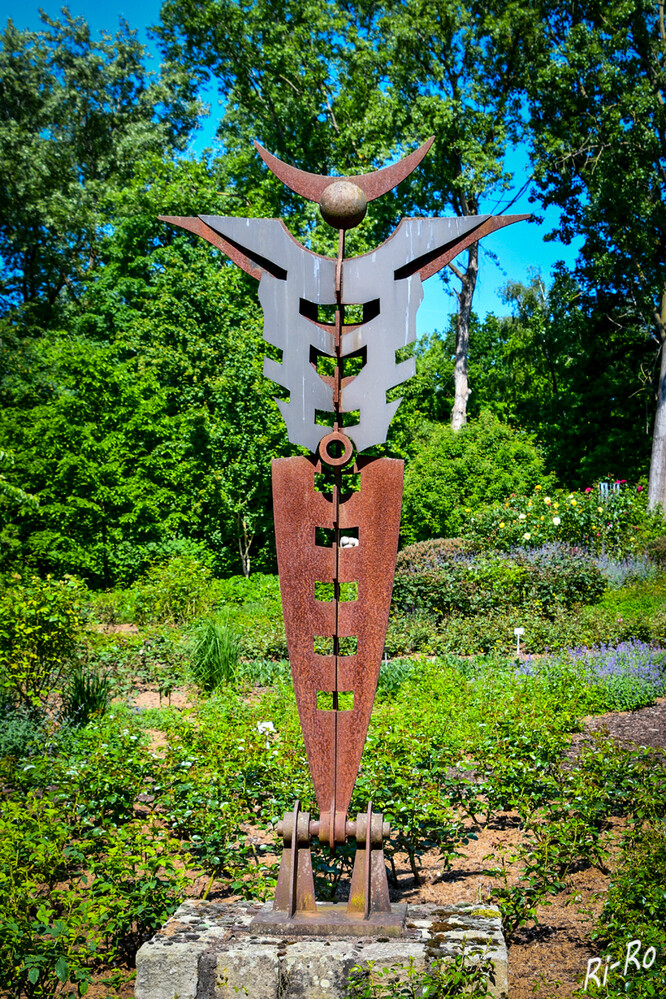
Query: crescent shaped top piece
{"x":373,"y":185}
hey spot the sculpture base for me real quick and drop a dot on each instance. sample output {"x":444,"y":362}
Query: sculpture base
{"x":331,"y":920}
{"x":216,"y":950}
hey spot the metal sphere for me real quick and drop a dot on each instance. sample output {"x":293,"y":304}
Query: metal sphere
{"x":343,"y":204}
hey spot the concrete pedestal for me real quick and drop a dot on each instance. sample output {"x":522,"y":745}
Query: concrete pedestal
{"x":208,"y":951}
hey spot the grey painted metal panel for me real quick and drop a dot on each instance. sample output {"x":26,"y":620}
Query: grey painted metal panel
{"x":291,"y":273}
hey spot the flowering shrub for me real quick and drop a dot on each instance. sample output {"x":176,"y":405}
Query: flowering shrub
{"x":454,"y":471}
{"x":617,"y":521}
{"x":618,"y":678}
{"x":424,"y":556}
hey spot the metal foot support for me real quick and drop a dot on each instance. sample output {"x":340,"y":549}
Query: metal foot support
{"x":369,"y":885}
{"x":294,"y":891}
{"x":369,"y":901}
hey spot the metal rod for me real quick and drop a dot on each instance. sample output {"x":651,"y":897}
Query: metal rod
{"x":293,"y":873}
{"x":337,"y":488}
{"x":368,"y":863}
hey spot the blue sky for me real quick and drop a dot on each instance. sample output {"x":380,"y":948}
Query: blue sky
{"x":519,"y":247}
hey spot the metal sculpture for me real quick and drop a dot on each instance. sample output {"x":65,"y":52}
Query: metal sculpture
{"x":337,"y":534}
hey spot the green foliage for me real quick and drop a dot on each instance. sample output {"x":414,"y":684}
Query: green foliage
{"x":171,"y":592}
{"x":39,"y":623}
{"x":656,"y":549}
{"x":623,"y":677}
{"x":81,"y":875}
{"x":147,"y":423}
{"x":556,"y":368}
{"x":590,"y":75}
{"x":634,"y":910}
{"x":468,"y":974}
{"x":454,"y":473}
{"x":215,"y":649}
{"x":474,"y":585}
{"x":21,"y":731}
{"x":10,"y":495}
{"x":86,"y":695}
{"x":92,"y":114}
{"x":427,"y":556}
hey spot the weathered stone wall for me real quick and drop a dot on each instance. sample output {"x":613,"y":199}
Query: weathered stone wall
{"x":207,"y":951}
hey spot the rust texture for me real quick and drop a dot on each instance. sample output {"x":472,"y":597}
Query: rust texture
{"x":334,"y":739}
{"x":373,"y":185}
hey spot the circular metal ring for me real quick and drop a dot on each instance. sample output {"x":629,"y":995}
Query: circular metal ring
{"x":333,"y":437}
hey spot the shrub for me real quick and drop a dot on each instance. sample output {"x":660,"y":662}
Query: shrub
{"x":426,"y":556}
{"x":628,"y":676}
{"x":257,"y":588}
{"x":619,"y":572}
{"x":171,"y":592}
{"x":265,"y":672}
{"x":468,"y":585}
{"x":456,"y":472}
{"x":635,"y":910}
{"x":619,"y":677}
{"x":656,"y":550}
{"x":617,"y":523}
{"x":39,"y":623}
{"x":21,"y":731}
{"x":129,"y":561}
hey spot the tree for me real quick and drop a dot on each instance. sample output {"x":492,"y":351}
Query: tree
{"x":441,"y":82}
{"x":556,"y":370}
{"x":76,"y":116}
{"x":596,"y":85}
{"x":146,"y":420}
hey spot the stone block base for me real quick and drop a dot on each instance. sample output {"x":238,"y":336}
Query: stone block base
{"x":207,"y":950}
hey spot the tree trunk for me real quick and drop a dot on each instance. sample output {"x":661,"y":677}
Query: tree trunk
{"x":657,"y":482}
{"x":245,"y":539}
{"x":465,"y":297}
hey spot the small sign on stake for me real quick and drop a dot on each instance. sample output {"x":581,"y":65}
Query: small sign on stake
{"x":518,"y":632}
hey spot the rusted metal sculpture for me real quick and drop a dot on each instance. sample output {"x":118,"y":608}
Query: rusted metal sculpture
{"x":338,"y":534}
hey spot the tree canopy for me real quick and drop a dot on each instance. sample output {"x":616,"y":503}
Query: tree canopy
{"x":135,"y":417}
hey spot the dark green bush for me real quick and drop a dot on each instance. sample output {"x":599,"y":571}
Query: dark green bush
{"x":541,"y":581}
{"x":428,"y":556}
{"x":171,"y":592}
{"x":22,"y":731}
{"x":128,"y":561}
{"x":656,"y":549}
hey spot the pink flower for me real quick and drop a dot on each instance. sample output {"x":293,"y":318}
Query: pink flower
{"x":623,"y":482}
{"x":588,"y":490}
{"x":639,"y":489}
